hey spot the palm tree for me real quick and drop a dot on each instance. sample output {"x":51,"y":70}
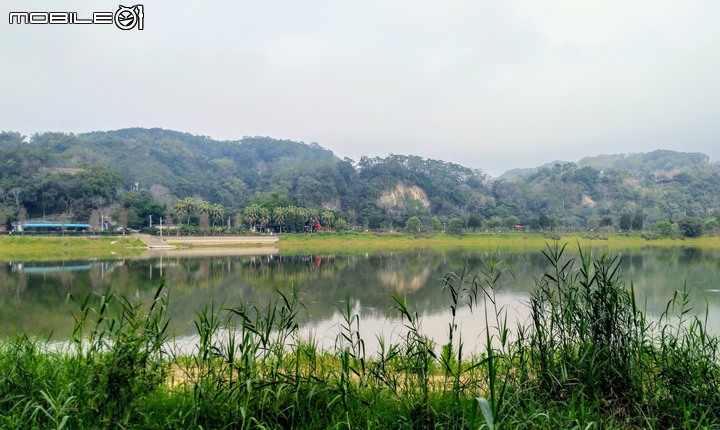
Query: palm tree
{"x":250,"y":216}
{"x":327,"y":218}
{"x":263,"y":217}
{"x":216,"y":212}
{"x":311,"y":217}
{"x":204,"y":207}
{"x":185,"y":206}
{"x":279,"y":215}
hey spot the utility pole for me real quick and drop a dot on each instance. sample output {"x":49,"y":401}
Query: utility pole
{"x":161,"y":233}
{"x":150,"y":220}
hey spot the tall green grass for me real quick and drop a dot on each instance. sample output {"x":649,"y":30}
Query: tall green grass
{"x":588,"y":357}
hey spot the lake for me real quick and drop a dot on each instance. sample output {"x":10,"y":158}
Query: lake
{"x":34,"y":296}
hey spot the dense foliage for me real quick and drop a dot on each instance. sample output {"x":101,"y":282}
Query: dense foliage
{"x":130,"y":175}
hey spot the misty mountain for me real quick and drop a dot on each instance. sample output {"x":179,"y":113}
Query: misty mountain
{"x":656,"y":162}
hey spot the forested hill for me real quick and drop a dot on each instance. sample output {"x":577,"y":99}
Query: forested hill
{"x":148,"y":170}
{"x":130,"y":174}
{"x":651,"y":163}
{"x":173,"y":165}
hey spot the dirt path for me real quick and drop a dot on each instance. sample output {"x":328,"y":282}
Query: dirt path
{"x":151,"y":241}
{"x":221,"y":240}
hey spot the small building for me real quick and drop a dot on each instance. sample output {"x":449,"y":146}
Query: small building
{"x":47,"y":227}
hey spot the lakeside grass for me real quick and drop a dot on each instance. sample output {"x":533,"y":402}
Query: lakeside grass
{"x":587,"y":358}
{"x":368,"y":242}
{"x":49,"y":248}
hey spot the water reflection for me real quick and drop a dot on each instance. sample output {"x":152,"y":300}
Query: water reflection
{"x":33,"y":296}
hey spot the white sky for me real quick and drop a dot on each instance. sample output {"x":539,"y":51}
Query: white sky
{"x":491,"y":84}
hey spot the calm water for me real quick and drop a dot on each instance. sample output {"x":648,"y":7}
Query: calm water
{"x":34,"y":296}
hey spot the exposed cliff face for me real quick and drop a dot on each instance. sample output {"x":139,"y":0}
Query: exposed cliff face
{"x":400,"y":194}
{"x":332,"y":205}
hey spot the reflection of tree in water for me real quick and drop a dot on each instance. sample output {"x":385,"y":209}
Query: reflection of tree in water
{"x":12,"y":285}
{"x":4,"y":278}
{"x":324,"y":281}
{"x":690,"y":256}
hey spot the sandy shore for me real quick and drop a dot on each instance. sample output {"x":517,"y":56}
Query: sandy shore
{"x":163,"y":242}
{"x":220,"y":240}
{"x":208,"y":251}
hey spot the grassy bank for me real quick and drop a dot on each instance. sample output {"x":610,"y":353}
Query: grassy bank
{"x":587,"y":358}
{"x":48,"y":248}
{"x":367,"y":242}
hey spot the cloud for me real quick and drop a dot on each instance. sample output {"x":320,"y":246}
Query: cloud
{"x":487,"y":84}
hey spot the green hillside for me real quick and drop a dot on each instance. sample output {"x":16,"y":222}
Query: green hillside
{"x":259,"y":182}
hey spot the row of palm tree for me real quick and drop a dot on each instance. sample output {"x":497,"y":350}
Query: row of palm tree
{"x":189,"y":206}
{"x":257,"y":217}
{"x":286,"y":218}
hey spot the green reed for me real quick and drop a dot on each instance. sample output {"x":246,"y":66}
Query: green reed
{"x":588,"y":357}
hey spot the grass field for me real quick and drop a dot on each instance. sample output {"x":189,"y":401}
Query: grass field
{"x":365,"y":242}
{"x":47,"y":248}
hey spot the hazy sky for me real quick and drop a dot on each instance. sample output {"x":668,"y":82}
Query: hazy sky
{"x":491,"y":84}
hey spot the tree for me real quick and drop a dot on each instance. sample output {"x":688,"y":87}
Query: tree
{"x":664,"y":228}
{"x":607,"y":221}
{"x":456,"y":225}
{"x":139,"y":206}
{"x":186,"y":207}
{"x":296,"y":219}
{"x":495,"y":222}
{"x":625,"y":222}
{"x":413,"y":224}
{"x":511,"y":221}
{"x":216,"y":213}
{"x":256,"y":216}
{"x":311,"y":218}
{"x":280,"y":215}
{"x":474,"y":222}
{"x":435,"y":222}
{"x":552,"y":221}
{"x":711,"y":225}
{"x":341,"y":225}
{"x":691,"y":226}
{"x":592,"y":223}
{"x":204,"y":208}
{"x":638,"y":220}
{"x":327,"y":218}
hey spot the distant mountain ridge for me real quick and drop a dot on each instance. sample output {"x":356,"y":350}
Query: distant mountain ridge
{"x":658,"y":161}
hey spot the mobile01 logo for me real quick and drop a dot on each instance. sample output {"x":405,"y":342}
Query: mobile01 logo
{"x":124,"y":18}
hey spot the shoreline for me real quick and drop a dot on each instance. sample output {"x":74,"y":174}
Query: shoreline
{"x":46,"y":248}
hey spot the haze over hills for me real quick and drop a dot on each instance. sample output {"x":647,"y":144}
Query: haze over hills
{"x":142,"y":172}
{"x":657,"y":161}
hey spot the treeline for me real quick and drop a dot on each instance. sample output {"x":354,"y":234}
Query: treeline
{"x":197,"y":216}
{"x":258,"y":183}
{"x":678,"y":200}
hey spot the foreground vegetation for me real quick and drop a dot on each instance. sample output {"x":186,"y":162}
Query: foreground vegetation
{"x":588,"y":357}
